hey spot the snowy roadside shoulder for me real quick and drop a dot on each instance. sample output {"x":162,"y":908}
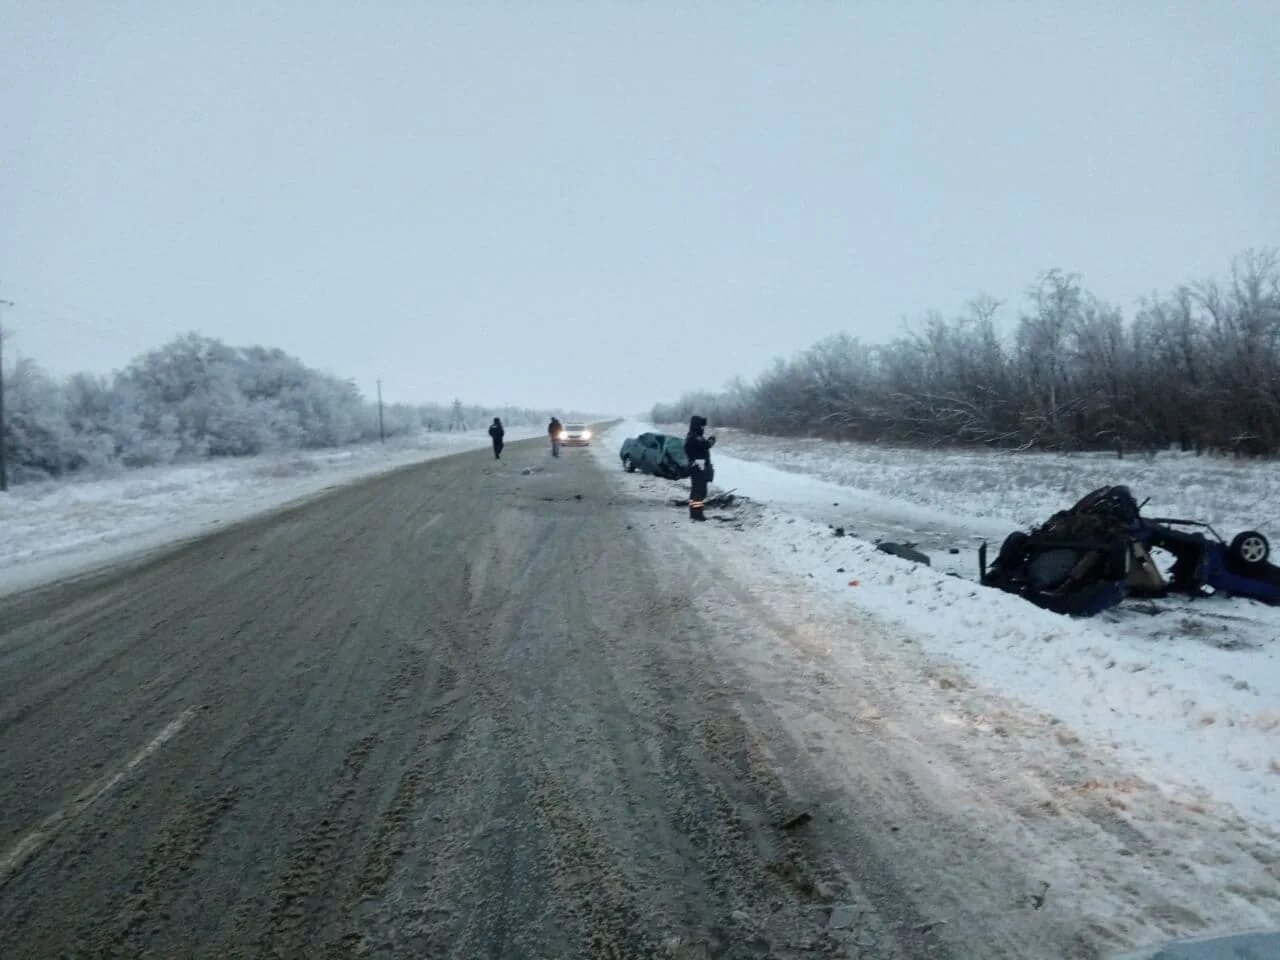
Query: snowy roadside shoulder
{"x":1186,"y":695}
{"x":1009,"y":744}
{"x":61,"y":528}
{"x":1199,"y":718}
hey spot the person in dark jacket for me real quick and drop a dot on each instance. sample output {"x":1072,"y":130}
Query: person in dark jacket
{"x":554,"y":429}
{"x":698,"y":449}
{"x":496,"y":433}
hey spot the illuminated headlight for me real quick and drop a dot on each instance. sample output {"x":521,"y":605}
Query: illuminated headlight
{"x":561,"y":435}
{"x":586,"y":434}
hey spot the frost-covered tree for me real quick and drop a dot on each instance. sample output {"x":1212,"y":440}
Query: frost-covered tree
{"x":36,"y":430}
{"x":1199,"y":368}
{"x":197,"y":397}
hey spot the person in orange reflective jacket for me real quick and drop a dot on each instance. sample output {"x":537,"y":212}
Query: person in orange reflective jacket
{"x":697,"y":448}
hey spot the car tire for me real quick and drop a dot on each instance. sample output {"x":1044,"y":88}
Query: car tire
{"x":628,"y":465}
{"x":1250,"y":548}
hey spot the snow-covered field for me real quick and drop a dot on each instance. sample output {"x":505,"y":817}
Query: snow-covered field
{"x":1184,"y":693}
{"x":55,"y":529}
{"x":1024,"y":488}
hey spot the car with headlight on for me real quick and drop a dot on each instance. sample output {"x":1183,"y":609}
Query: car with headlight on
{"x":575,"y":435}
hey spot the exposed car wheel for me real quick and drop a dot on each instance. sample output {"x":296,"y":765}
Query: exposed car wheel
{"x":628,"y":465}
{"x":1250,"y":548}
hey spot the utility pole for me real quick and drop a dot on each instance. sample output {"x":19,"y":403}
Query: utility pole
{"x":382,"y":433}
{"x":4,"y":473}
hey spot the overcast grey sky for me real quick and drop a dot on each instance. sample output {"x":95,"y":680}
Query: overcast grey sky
{"x":595,"y":205}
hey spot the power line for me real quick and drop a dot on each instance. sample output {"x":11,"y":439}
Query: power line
{"x":106,"y":329}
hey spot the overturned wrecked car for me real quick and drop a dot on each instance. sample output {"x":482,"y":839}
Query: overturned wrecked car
{"x":1087,"y":559}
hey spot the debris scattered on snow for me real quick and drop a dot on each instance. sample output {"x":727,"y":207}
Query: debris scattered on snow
{"x":800,"y":819}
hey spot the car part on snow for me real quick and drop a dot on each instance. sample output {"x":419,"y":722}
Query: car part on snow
{"x":906,"y":551}
{"x":799,"y":820}
{"x":726,"y":499}
{"x":1087,"y":559}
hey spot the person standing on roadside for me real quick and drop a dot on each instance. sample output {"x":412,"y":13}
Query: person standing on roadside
{"x":496,"y":433}
{"x":554,"y":429}
{"x":698,"y":449}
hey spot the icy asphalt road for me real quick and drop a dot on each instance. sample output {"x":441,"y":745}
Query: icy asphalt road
{"x":461,"y":710}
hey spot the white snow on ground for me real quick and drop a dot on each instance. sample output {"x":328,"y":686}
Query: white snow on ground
{"x":1185,"y":693}
{"x":56,"y":529}
{"x":1023,"y":488}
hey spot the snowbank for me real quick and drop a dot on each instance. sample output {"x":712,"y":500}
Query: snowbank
{"x":56,"y":529}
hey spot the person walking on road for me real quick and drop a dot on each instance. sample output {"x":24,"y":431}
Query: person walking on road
{"x":496,"y":433}
{"x":698,"y":449}
{"x":554,"y":429}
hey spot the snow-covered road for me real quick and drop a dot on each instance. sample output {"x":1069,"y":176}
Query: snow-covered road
{"x":1121,"y":773}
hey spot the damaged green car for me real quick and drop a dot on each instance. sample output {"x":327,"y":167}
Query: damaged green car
{"x":657,"y":454}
